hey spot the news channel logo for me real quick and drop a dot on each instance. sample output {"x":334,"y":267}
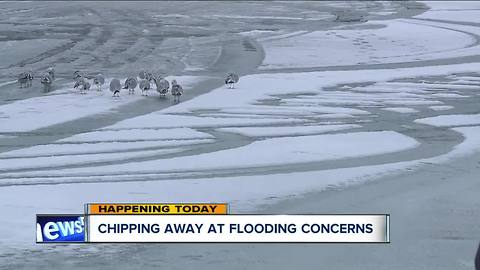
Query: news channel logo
{"x":60,"y":228}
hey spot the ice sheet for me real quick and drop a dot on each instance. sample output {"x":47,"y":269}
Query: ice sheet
{"x":401,"y":110}
{"x":100,"y":147}
{"x":311,"y":148}
{"x":286,"y":131}
{"x":393,"y":43}
{"x":137,"y":135}
{"x":65,"y":105}
{"x":451,"y":120}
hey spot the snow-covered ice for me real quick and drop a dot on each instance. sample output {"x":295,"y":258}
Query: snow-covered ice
{"x":55,"y":149}
{"x":258,"y":87}
{"x":76,"y":159}
{"x":441,"y":108}
{"x":401,"y":110}
{"x":137,"y":135}
{"x":393,"y":43}
{"x":62,"y":106}
{"x":286,"y":131}
{"x":161,"y":120}
{"x":34,"y":113}
{"x":459,"y":11}
{"x":312,"y":148}
{"x":235,"y":190}
{"x":451,"y":120}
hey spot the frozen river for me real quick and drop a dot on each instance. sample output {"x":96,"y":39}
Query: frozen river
{"x":386,"y":105}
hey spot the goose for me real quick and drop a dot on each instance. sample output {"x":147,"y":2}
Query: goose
{"x":78,"y":83}
{"x":47,"y":81}
{"x":115,"y":87}
{"x":162,"y":86}
{"x":177,"y":91}
{"x":22,"y":79}
{"x":130,"y":84}
{"x":231,"y":79}
{"x":99,"y":80}
{"x":83,"y":85}
{"x":144,"y":86}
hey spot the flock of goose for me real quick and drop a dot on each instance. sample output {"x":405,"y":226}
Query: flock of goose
{"x":144,"y":80}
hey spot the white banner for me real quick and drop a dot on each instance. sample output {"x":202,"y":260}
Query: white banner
{"x":238,"y":228}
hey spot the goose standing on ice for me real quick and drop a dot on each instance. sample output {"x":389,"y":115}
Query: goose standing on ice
{"x":231,"y":79}
{"x":82,"y":84}
{"x":79,"y":84}
{"x":162,"y":86}
{"x":130,"y":84}
{"x":78,"y":77}
{"x":85,"y":87}
{"x":146,"y":75}
{"x":144,"y":86}
{"x":115,"y":87}
{"x":23,"y":80}
{"x":99,"y":80}
{"x":177,"y":91}
{"x":47,"y":81}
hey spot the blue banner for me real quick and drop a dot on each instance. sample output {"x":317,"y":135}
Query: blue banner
{"x":60,"y":228}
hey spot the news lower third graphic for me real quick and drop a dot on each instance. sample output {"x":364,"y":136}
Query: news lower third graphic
{"x":205,"y":223}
